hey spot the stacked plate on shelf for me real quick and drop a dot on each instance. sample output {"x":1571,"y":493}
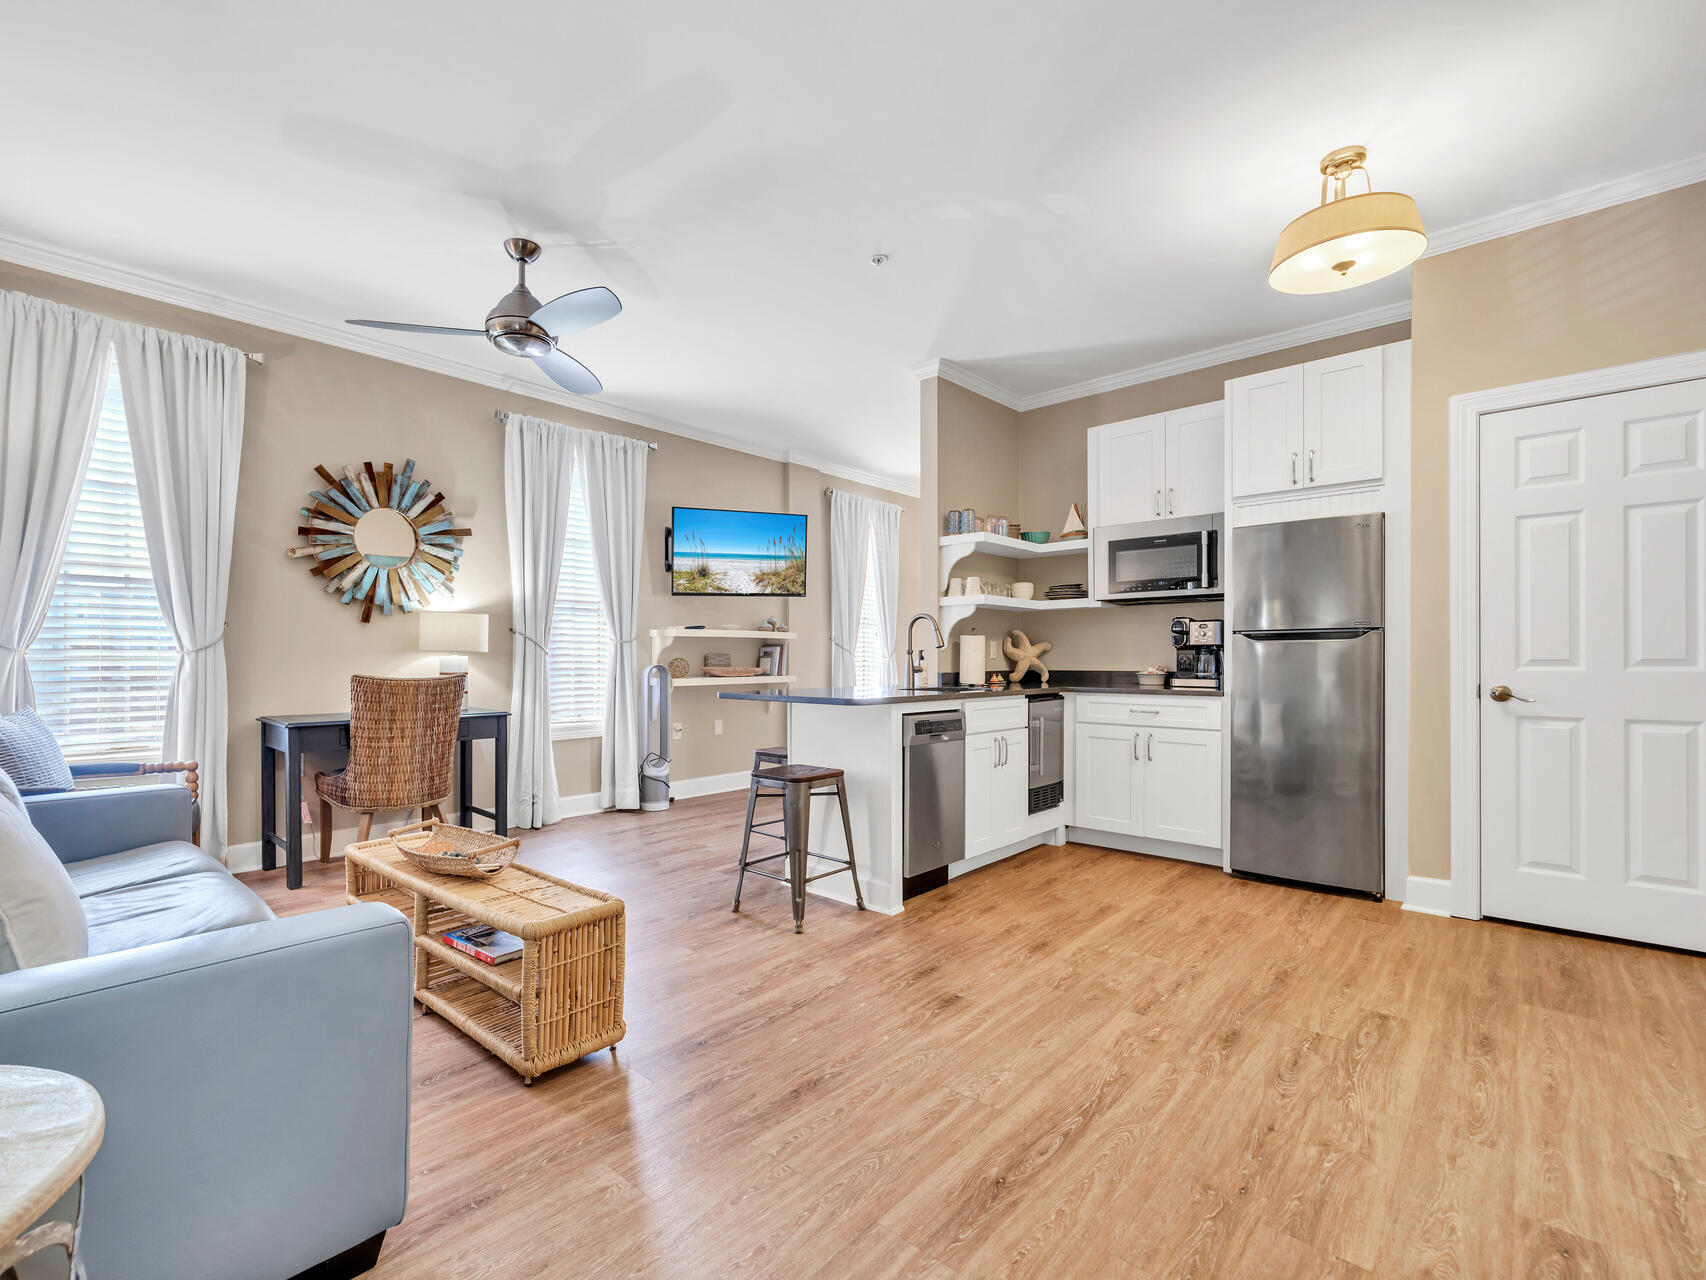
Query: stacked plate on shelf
{"x":1067,"y":591}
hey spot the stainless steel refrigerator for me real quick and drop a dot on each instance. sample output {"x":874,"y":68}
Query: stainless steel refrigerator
{"x":1307,"y":673}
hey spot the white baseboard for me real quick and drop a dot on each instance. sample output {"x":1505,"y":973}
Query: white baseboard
{"x":243,"y":857}
{"x":1428,"y":895}
{"x":712,"y":784}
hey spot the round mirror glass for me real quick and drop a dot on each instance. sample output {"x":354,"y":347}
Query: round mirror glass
{"x":385,"y":536}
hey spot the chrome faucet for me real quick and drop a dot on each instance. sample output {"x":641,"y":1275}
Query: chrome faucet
{"x":915,"y":666}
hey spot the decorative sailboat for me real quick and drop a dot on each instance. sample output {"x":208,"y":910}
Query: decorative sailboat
{"x":1074,"y":525}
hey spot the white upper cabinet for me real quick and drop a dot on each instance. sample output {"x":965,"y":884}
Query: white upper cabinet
{"x":1267,"y":431}
{"x":1196,"y":460}
{"x":1167,"y":464}
{"x":1308,"y":426}
{"x":1127,"y":470}
{"x":1342,"y":427}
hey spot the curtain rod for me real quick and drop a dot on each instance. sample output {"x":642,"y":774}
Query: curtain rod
{"x":255,"y":357}
{"x":499,"y":415}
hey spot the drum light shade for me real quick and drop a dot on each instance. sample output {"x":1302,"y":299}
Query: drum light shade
{"x":1347,"y":240}
{"x":453,"y":632}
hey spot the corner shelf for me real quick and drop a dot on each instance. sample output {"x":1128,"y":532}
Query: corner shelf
{"x":956,"y":609}
{"x":957,"y":546}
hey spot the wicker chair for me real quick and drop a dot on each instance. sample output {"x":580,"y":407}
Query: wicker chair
{"x":402,"y":743}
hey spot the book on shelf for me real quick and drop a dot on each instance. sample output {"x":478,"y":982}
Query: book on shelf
{"x":483,"y":942}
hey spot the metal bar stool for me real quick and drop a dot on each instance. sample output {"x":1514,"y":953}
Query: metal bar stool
{"x":794,"y":785}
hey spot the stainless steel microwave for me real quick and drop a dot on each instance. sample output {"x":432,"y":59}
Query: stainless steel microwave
{"x":1157,"y":560}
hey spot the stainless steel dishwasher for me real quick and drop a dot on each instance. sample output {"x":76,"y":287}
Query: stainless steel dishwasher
{"x":933,"y":798}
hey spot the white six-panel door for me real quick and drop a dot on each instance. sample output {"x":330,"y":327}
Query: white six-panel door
{"x":1593,"y":616}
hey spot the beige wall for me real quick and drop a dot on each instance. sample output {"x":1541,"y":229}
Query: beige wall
{"x":290,"y":648}
{"x":1033,"y":466}
{"x":1623,"y":284}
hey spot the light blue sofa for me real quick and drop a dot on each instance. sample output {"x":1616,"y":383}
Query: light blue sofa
{"x":255,"y":1070}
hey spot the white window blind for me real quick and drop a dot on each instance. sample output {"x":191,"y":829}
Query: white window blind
{"x":580,"y":640}
{"x":869,"y":670}
{"x":103,"y":663}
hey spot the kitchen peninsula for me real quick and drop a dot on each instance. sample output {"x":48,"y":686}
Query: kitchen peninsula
{"x":1139,"y":770}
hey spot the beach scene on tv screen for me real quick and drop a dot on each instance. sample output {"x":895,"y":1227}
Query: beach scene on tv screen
{"x":739,"y":553}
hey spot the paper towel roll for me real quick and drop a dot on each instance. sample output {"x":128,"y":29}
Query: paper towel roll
{"x":974,"y":658}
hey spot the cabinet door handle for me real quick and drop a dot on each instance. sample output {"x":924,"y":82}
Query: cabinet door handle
{"x":1294,"y":467}
{"x":1158,"y":502}
{"x":1170,"y":501}
{"x":1312,"y":466}
{"x":1136,"y":754}
{"x":1151,"y":748}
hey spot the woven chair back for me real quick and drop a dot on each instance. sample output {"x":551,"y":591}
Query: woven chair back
{"x":402,"y":740}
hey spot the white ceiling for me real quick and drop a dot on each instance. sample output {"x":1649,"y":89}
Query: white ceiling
{"x":1067,"y":191}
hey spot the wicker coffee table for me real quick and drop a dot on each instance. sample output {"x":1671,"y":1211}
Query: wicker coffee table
{"x":560,"y":1001}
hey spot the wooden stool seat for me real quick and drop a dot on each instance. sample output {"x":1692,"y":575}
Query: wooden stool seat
{"x":810,"y":774}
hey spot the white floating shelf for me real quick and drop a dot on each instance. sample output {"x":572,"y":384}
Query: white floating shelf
{"x":956,"y":609}
{"x":732,"y":682}
{"x":676,"y":633}
{"x":662,"y":636}
{"x":957,"y":546}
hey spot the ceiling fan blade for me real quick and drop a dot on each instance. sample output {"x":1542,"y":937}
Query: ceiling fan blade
{"x":576,"y":311}
{"x":414,"y":328}
{"x":568,"y":373}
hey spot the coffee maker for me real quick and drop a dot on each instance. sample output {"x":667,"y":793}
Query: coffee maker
{"x":1198,"y":641}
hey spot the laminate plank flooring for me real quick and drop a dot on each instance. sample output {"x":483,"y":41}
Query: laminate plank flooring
{"x":1073,"y":1063}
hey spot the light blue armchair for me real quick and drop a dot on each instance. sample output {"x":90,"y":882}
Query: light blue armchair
{"x":255,"y":1070}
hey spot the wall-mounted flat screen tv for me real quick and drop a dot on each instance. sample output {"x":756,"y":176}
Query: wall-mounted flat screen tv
{"x":737,"y":553}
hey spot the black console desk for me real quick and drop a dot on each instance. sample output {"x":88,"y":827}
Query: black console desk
{"x":296,"y":736}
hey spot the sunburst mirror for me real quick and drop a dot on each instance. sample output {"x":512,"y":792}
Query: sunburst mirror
{"x":380,"y":538}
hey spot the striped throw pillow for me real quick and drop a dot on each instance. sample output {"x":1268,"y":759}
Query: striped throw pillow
{"x":30,"y":755}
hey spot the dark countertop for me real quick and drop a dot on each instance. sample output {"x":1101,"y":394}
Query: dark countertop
{"x":1072,"y":682}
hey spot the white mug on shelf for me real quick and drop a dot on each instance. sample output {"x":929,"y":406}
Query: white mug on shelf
{"x":974,"y":585}
{"x":956,"y":586}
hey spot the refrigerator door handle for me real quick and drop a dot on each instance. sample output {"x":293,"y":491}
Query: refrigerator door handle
{"x":1320,"y":633}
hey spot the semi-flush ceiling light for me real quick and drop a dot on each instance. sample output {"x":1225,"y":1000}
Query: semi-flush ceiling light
{"x":1347,"y":240}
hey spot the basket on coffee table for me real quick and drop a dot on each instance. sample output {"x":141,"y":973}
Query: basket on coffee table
{"x":448,"y":850}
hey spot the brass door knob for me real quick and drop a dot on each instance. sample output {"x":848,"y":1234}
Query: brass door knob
{"x":1502,"y":693}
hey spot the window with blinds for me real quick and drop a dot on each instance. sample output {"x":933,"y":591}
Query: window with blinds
{"x":870,"y":666}
{"x":580,"y":640}
{"x":103,"y":663}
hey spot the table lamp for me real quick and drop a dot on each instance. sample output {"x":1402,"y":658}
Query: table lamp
{"x":452,"y":635}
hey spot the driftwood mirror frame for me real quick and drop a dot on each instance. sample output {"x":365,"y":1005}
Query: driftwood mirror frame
{"x":333,"y":516}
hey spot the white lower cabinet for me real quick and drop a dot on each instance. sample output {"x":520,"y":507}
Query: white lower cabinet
{"x":1163,"y":784}
{"x":1182,"y":786}
{"x":1108,"y":774}
{"x":997,"y":789}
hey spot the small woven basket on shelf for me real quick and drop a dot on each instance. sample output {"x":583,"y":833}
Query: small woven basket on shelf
{"x":448,"y":850}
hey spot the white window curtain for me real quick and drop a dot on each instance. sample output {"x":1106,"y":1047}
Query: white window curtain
{"x":539,"y":470}
{"x":53,"y":367}
{"x":613,"y":469}
{"x":859,"y":526}
{"x":183,"y":401}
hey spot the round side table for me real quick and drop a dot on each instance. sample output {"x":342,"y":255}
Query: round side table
{"x":50,"y":1128}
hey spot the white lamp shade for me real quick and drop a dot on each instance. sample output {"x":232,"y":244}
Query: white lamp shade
{"x":453,"y":632}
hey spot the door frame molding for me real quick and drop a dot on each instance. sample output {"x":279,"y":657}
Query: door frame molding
{"x":1465,"y":569}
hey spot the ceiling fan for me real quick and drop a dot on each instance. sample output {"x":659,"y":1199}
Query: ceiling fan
{"x":520,"y":326}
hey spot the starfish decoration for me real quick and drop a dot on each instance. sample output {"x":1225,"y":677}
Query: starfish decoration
{"x":1025,"y":655}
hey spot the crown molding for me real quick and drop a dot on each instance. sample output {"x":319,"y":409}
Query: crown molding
{"x":1571,"y":204}
{"x":1206,"y":359}
{"x":964,"y":378}
{"x":111,"y":275}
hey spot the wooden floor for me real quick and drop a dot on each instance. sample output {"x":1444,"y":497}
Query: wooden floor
{"x":1074,"y":1063}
